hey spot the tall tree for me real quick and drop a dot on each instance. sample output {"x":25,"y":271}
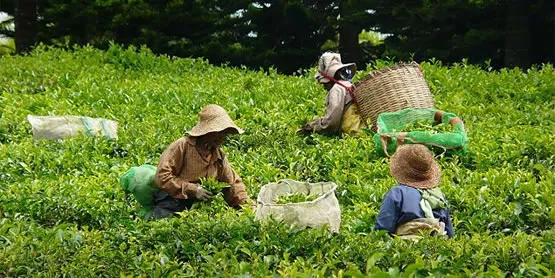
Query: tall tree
{"x":517,"y":38}
{"x":25,"y":24}
{"x":446,"y":30}
{"x":7,"y":6}
{"x":542,"y":32}
{"x":287,"y":34}
{"x":291,"y":34}
{"x":529,"y":32}
{"x":354,"y":15}
{"x":6,"y":27}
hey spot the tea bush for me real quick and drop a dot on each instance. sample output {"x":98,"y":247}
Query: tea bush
{"x":63,"y":212}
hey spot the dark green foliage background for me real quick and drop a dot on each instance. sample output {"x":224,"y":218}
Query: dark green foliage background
{"x":62,"y":211}
{"x":292,"y":34}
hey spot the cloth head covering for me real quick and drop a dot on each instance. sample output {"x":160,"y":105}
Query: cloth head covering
{"x":213,"y":118}
{"x":415,"y":166}
{"x":329,"y":64}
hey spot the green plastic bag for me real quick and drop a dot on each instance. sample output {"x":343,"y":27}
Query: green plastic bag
{"x":139,"y":181}
{"x":391,"y":131}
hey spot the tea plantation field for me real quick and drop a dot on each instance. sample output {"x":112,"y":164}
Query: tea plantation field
{"x":63,"y":213}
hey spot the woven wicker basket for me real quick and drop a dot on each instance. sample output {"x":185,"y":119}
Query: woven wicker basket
{"x":392,"y":89}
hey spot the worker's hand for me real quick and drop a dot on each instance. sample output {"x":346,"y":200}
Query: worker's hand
{"x":305,"y":130}
{"x":203,"y":194}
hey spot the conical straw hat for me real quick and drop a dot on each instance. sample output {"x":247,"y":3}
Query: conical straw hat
{"x":213,"y":118}
{"x":415,"y":166}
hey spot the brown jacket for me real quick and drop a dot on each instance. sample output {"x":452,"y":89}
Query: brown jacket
{"x":181,"y":166}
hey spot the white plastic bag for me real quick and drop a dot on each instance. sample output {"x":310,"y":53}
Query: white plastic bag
{"x":321,"y":211}
{"x":60,"y":127}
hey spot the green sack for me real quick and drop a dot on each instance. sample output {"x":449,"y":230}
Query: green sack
{"x":139,"y":181}
{"x":394,"y":129}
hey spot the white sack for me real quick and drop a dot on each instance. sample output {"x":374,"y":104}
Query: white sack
{"x":60,"y":127}
{"x":316,"y":213}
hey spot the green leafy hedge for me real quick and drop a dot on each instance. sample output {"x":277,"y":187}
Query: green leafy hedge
{"x":62,"y":211}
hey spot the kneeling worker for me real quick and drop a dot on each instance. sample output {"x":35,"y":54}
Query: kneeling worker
{"x":341,"y":113}
{"x":194,"y":156}
{"x":416,"y":204}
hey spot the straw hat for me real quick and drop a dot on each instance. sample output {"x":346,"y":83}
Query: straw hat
{"x":329,"y":64}
{"x":213,"y":118}
{"x":415,"y":166}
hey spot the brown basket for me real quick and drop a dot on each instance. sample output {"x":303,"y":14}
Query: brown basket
{"x":392,"y":89}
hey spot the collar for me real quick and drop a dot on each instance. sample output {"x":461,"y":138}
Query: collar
{"x":192,"y":140}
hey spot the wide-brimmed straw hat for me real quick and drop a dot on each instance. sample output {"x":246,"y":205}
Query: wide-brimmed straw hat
{"x":415,"y":166}
{"x":329,"y":64}
{"x":213,"y":118}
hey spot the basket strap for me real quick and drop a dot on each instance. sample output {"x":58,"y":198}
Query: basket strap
{"x":384,"y":138}
{"x":418,"y":69}
{"x":402,"y":137}
{"x":351,"y":89}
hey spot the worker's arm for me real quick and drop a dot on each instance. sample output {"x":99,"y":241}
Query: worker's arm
{"x":235,"y":195}
{"x":389,"y":211}
{"x":335,"y":104}
{"x":169,"y":168}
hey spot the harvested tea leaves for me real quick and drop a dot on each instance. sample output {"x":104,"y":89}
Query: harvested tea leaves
{"x":427,"y":126}
{"x":295,"y":198}
{"x":213,"y":185}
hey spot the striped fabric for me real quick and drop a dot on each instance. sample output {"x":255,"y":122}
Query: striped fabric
{"x":181,"y":166}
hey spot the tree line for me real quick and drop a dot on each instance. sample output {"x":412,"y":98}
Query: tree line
{"x":291,"y":34}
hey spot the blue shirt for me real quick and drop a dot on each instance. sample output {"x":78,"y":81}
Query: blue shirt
{"x":402,"y":204}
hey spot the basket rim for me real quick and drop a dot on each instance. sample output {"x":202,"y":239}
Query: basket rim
{"x":377,"y":73}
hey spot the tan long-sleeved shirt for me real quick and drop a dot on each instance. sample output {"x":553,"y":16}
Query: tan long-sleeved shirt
{"x":336,"y":101}
{"x":181,"y":166}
